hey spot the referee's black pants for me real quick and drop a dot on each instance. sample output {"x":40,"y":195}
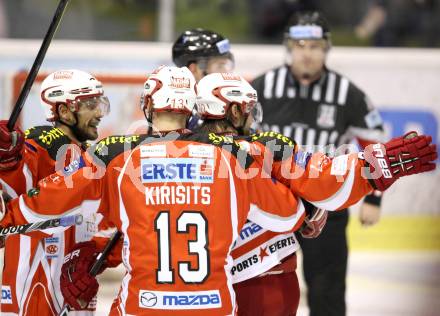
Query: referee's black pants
{"x":325,"y":267}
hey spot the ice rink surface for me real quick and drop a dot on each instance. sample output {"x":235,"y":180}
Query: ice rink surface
{"x":379,"y":284}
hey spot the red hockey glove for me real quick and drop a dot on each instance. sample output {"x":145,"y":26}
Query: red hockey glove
{"x":77,"y":285}
{"x":314,"y":223}
{"x":11,"y":146}
{"x":401,"y":156}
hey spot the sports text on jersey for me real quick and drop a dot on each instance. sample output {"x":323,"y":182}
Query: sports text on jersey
{"x":179,"y":300}
{"x":247,"y":262}
{"x":192,"y":170}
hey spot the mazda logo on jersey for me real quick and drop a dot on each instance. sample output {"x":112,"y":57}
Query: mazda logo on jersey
{"x":193,"y":170}
{"x":147,"y":299}
{"x":179,"y":300}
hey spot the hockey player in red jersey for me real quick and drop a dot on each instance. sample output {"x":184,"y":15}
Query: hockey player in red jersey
{"x":264,"y":273}
{"x":205,"y":52}
{"x":179,"y":202}
{"x":75,"y":103}
{"x":220,"y":104}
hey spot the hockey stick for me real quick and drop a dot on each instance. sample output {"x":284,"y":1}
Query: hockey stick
{"x":97,"y":265}
{"x":50,"y":223}
{"x":37,"y":63}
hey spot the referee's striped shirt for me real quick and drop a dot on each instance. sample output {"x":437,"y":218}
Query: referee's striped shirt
{"x":321,"y":116}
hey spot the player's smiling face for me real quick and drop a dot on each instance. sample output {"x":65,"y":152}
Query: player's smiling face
{"x":307,"y":58}
{"x":90,"y":113}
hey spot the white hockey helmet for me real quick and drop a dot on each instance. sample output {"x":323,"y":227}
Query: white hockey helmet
{"x":70,"y":87}
{"x":169,"y":89}
{"x":217,"y":91}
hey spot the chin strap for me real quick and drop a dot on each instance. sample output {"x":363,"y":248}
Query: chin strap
{"x":148,"y":117}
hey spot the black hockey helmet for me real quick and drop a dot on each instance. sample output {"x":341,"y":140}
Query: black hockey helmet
{"x":196,"y":44}
{"x":307,"y":25}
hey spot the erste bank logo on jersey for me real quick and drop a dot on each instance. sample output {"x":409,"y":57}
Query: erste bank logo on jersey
{"x":179,"y":300}
{"x":6,"y":294}
{"x":190,"y":170}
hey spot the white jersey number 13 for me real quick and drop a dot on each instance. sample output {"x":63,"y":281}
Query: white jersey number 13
{"x":198,"y":247}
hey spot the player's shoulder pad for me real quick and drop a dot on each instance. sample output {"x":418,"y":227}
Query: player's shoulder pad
{"x":111,"y":146}
{"x":49,"y":138}
{"x":281,"y":147}
{"x":228,"y":143}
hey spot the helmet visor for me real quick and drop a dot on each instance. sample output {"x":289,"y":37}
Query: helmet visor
{"x":100,"y":103}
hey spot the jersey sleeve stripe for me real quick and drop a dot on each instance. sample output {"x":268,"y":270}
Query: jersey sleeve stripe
{"x":88,"y":206}
{"x":23,"y":270}
{"x":372,"y":135}
{"x":274,"y":222}
{"x":340,"y":197}
{"x":28,"y":177}
{"x":125,"y":223}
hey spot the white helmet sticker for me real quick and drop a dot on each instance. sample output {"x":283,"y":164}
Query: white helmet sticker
{"x":223,"y":46}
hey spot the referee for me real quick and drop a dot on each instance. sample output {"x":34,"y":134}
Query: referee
{"x":321,"y":110}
